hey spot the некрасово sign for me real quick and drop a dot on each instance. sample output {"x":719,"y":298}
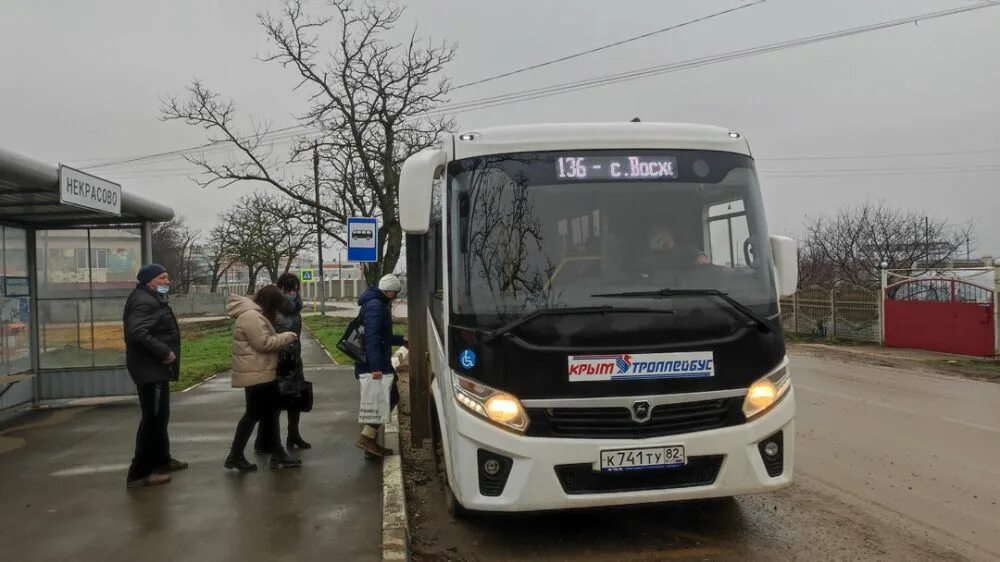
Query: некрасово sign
{"x":80,"y":189}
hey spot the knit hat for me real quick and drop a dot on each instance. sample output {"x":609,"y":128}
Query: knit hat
{"x":390,"y":283}
{"x":150,"y":272}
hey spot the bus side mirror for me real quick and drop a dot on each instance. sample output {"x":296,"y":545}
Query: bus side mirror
{"x":786,"y":264}
{"x":415,"y":185}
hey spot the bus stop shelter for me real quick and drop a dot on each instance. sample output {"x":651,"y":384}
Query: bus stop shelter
{"x":66,"y":267}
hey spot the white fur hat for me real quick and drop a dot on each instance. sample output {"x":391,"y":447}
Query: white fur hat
{"x":390,"y":283}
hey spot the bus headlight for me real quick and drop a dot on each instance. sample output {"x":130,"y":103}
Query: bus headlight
{"x":766,"y":392}
{"x":497,"y":406}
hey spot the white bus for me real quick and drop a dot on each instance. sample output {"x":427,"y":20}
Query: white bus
{"x":599,"y":315}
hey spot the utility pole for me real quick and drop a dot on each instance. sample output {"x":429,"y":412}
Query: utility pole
{"x":319,"y":233}
{"x":927,"y":237}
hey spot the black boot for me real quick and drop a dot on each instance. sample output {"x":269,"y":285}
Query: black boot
{"x":281,"y":459}
{"x":240,"y":463}
{"x":259,"y":446}
{"x":297,"y":442}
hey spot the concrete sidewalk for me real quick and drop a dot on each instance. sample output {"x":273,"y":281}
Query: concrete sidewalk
{"x":63,"y":496}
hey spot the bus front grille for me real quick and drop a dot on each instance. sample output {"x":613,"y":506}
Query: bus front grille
{"x":617,"y":422}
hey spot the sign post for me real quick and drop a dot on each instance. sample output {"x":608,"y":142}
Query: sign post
{"x":80,"y":189}
{"x":308,"y":276}
{"x":362,"y":239}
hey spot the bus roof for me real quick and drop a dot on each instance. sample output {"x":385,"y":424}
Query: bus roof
{"x":580,"y":136}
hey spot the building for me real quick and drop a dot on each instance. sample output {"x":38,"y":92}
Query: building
{"x":67,"y":263}
{"x":334,"y":268}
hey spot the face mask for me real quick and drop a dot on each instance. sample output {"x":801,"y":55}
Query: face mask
{"x":291,"y":297}
{"x":163,"y":289}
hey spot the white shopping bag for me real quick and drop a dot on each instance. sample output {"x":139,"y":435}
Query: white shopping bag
{"x":401,"y":359}
{"x":375,"y":408}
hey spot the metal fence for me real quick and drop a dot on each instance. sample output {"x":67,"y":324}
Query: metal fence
{"x":347,"y":289}
{"x":843,"y":313}
{"x":199,"y":304}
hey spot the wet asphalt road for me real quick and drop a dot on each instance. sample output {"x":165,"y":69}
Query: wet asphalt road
{"x":63,"y":496}
{"x":891,"y":464}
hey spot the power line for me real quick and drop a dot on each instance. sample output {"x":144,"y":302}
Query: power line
{"x":558,"y":89}
{"x":873,"y":156}
{"x":537,"y":93}
{"x":605,"y":47}
{"x":907,"y":169}
{"x":117,"y":161}
{"x":916,"y":172}
{"x":181,"y":155}
{"x":191,"y":170}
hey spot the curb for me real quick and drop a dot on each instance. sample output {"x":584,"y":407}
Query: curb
{"x":197,"y":384}
{"x":321,"y":346}
{"x":395,"y":524}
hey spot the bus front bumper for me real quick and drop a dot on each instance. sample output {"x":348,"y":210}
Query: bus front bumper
{"x":559,"y":473}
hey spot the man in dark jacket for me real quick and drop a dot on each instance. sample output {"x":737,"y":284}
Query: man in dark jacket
{"x":152,"y":354}
{"x":376,"y":316}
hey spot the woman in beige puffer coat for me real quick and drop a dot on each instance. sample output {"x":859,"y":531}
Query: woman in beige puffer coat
{"x":255,"y":362}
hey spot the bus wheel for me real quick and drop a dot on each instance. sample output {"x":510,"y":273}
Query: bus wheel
{"x":454,"y":508}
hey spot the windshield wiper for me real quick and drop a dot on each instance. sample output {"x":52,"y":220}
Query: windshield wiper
{"x":490,"y":335}
{"x":762,"y":324}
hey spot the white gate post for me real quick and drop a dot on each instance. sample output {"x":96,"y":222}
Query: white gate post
{"x":996,"y":309}
{"x":795,"y":312}
{"x":833,"y":314}
{"x":881,"y":304}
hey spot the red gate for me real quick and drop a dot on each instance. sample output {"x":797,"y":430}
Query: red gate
{"x":940,"y":314}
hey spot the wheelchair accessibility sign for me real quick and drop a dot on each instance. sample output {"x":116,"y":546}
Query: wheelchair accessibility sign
{"x":467,"y":359}
{"x":362,"y":239}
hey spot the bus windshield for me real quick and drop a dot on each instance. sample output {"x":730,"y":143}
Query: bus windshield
{"x":555,"y":229}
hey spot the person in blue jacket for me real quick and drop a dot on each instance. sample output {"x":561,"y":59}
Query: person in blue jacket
{"x":376,"y":317}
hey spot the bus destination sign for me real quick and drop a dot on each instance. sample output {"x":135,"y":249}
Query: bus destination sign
{"x":583,"y":168}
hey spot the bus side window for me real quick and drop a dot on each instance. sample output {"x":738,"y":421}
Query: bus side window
{"x":727,"y":231}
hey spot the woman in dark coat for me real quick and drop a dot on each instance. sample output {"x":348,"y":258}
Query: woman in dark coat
{"x":376,"y":315}
{"x":290,"y":372}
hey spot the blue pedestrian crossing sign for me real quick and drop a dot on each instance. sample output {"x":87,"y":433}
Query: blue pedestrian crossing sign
{"x":362,"y":239}
{"x":306,"y":276}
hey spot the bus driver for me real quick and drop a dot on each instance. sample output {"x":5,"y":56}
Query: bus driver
{"x":666,"y":252}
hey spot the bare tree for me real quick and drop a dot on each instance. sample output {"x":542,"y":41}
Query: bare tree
{"x":287,"y":231}
{"x":814,"y":270}
{"x":263,"y":233}
{"x":173,"y":247}
{"x":217,"y":260}
{"x":241,"y":236}
{"x":370,"y":103}
{"x":852,"y":244}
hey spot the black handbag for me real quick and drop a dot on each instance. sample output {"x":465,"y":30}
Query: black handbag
{"x":294,"y":390}
{"x":304,"y":401}
{"x":289,"y":371}
{"x":352,"y":343}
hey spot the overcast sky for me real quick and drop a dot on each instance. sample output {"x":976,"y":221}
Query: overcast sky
{"x":84,"y":80}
